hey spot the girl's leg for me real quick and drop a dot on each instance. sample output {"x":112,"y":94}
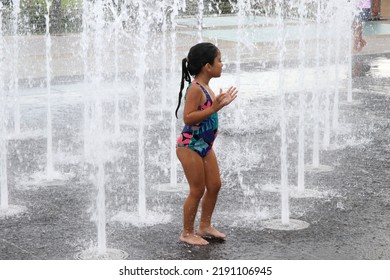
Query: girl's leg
{"x":357,"y":34}
{"x":361,"y":42}
{"x":194,"y":171}
{"x":213,"y":185}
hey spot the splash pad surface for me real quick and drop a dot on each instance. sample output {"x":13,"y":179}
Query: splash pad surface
{"x":59,"y":220}
{"x":355,"y":196}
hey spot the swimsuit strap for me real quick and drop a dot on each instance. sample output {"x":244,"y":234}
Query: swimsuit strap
{"x":208,"y":97}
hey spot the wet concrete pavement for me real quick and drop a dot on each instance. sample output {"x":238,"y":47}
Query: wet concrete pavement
{"x":349,"y":217}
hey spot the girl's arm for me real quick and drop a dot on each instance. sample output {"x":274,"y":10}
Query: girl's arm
{"x":192,"y":115}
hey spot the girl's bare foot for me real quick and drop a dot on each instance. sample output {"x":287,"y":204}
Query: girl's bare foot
{"x":211,"y":232}
{"x":193,"y":239}
{"x":363,"y":43}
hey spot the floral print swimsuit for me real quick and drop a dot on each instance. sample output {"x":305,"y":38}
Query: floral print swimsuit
{"x":200,"y":137}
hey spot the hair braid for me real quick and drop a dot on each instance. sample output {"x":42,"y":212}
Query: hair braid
{"x":185,"y":76}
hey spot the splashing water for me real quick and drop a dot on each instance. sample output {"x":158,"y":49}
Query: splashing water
{"x":123,"y":67}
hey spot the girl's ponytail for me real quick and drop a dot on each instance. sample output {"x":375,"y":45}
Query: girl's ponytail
{"x":198,"y":56}
{"x":185,"y":76}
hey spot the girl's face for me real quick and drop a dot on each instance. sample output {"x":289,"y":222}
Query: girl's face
{"x":217,"y":65}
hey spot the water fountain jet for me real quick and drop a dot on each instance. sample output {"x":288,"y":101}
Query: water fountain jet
{"x":95,"y":99}
{"x":6,"y":209}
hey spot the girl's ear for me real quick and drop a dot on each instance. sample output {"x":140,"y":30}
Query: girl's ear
{"x":207,"y":66}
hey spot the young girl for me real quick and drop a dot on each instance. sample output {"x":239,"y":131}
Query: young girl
{"x":194,"y":146}
{"x":364,"y":9}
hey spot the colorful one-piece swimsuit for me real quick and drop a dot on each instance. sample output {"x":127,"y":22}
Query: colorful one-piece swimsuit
{"x":200,"y":137}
